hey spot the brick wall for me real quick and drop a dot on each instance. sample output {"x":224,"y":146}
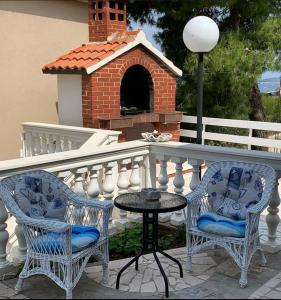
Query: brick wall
{"x":101,"y":89}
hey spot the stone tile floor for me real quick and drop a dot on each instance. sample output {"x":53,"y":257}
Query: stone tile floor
{"x":215,"y":276}
{"x":148,"y":277}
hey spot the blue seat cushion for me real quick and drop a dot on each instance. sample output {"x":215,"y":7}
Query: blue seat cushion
{"x":219,"y":225}
{"x":82,"y":237}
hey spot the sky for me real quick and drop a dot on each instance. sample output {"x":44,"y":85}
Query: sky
{"x":149,"y":31}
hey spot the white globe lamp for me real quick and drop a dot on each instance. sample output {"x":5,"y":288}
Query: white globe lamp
{"x":200,"y":35}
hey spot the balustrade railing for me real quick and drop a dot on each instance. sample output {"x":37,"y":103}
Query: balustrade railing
{"x":105,"y":172}
{"x":41,"y":138}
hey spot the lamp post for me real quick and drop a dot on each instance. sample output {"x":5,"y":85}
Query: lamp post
{"x":200,"y":36}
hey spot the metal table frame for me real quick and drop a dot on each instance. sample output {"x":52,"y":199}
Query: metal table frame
{"x":150,"y":240}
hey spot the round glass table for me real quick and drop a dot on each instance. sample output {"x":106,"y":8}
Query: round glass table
{"x":135,"y":202}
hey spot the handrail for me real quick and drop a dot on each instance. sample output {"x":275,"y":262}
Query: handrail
{"x":270,"y":142}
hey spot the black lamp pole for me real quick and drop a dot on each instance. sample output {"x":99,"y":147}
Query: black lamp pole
{"x":199,"y":98}
{"x":199,"y":102}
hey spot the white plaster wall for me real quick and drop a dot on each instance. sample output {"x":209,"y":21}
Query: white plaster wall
{"x":70,"y":100}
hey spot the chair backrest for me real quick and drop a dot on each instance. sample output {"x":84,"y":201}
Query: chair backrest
{"x":233,"y":187}
{"x":38,"y":194}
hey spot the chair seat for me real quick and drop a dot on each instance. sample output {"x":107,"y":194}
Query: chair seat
{"x":215,"y":224}
{"x":82,"y":237}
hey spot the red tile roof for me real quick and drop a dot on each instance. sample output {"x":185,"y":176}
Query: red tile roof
{"x":90,"y":54}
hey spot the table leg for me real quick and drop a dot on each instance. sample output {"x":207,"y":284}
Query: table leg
{"x":173,"y":259}
{"x":135,"y":259}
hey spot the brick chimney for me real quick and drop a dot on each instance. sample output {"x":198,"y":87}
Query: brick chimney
{"x":105,"y":18}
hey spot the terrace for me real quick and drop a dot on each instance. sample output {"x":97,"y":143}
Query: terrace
{"x":94,"y":165}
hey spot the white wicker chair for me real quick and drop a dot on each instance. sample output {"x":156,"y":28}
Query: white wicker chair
{"x":240,"y":249}
{"x":49,"y":247}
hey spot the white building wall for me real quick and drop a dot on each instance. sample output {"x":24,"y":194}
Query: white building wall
{"x":70,"y":100}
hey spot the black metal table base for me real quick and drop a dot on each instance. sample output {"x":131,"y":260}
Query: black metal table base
{"x":153,"y":242}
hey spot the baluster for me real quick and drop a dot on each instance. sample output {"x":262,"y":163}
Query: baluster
{"x":163,"y":180}
{"x":149,"y":174}
{"x":34,"y":143}
{"x":108,"y":189}
{"x":37,"y":144}
{"x":272,"y":221}
{"x":135,"y":183}
{"x":27,"y":144}
{"x":93,"y":189}
{"x":78,"y":188}
{"x":195,"y":179}
{"x":123,"y":184}
{"x":65,"y":143}
{"x":58,"y":144}
{"x":22,"y":246}
{"x":44,"y":143}
{"x":51,"y":148}
{"x":135,"y":178}
{"x":4,"y":237}
{"x":177,"y":218}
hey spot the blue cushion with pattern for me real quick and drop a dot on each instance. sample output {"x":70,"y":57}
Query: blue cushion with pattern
{"x":233,"y":190}
{"x":215,"y":224}
{"x":82,"y":237}
{"x":39,"y":198}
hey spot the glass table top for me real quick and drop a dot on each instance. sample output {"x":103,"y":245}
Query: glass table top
{"x":135,"y":202}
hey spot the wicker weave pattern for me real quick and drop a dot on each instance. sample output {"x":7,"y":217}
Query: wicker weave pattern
{"x":59,"y":263}
{"x":240,"y":249}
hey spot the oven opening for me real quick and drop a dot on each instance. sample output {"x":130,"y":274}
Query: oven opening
{"x":136,"y":91}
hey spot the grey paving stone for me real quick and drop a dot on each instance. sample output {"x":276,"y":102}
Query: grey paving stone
{"x":274,"y":295}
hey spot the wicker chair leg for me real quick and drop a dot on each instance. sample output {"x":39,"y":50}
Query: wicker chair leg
{"x":262,"y":258}
{"x":105,"y":273}
{"x":189,"y":263}
{"x":69,"y":294}
{"x":243,"y":279}
{"x":189,"y":253}
{"x":19,"y":285}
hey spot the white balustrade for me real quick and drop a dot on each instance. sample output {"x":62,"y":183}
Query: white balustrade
{"x":195,"y":179}
{"x":4,"y":237}
{"x":78,"y":188}
{"x":58,"y":144}
{"x":22,"y":247}
{"x":93,"y":188}
{"x":108,"y":189}
{"x":135,"y":178}
{"x":135,"y":183}
{"x":178,"y":218}
{"x":51,"y":144}
{"x":44,"y":143}
{"x":83,"y":169}
{"x":41,"y":138}
{"x":123,"y":185}
{"x":163,"y":180}
{"x":272,"y":221}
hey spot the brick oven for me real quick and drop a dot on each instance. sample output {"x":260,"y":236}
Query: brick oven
{"x":118,"y":80}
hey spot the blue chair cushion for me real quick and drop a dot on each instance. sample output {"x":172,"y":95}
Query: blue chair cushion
{"x":82,"y":237}
{"x":232,"y":191}
{"x":40,"y":199}
{"x":219,"y":225}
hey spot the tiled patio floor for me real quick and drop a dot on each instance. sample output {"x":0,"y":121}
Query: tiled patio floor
{"x":215,"y":276}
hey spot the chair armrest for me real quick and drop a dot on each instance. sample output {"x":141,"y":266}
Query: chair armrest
{"x":93,"y":203}
{"x":48,"y":225}
{"x":194,"y":196}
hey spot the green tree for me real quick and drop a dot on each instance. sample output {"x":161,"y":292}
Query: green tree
{"x":249,"y":43}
